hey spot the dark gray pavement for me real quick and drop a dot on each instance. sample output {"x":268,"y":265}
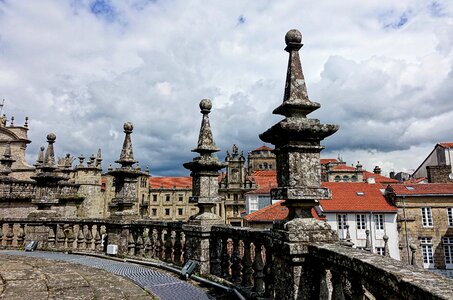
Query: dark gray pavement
{"x":51,"y":275}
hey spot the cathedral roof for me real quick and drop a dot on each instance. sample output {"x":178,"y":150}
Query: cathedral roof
{"x":170,"y":182}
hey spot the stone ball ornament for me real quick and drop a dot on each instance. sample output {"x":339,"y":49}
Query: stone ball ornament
{"x":128,"y":127}
{"x":293,"y":37}
{"x":51,"y":137}
{"x":205,"y":105}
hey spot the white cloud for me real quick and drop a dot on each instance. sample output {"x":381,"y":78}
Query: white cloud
{"x":380,"y":69}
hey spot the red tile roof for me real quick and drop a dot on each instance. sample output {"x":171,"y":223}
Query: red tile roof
{"x":262,"y":191}
{"x":378,"y":178}
{"x":421,"y":189}
{"x":343,"y":168}
{"x":274,"y":212}
{"x":325,"y":161}
{"x":170,"y":182}
{"x":263,"y":148}
{"x":347,"y":196}
{"x":265,"y":178}
{"x":446,"y":145}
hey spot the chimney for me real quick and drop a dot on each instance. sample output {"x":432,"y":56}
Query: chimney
{"x":377,"y":170}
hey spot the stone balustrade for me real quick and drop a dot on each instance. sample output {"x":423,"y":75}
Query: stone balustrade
{"x":242,"y":257}
{"x":17,"y":190}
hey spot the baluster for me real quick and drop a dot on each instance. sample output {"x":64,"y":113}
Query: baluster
{"x":9,"y":235}
{"x":139,"y":244}
{"x":323,"y":286}
{"x":413,"y":259}
{"x":51,"y":238}
{"x":269,"y":273}
{"x":172,"y":246}
{"x":1,"y":234}
{"x":162,"y":241}
{"x":225,"y":259}
{"x":70,"y":236}
{"x":337,"y":286}
{"x":148,"y":245}
{"x":168,"y":245}
{"x":247,"y":271}
{"x":131,"y":243}
{"x":367,"y":241}
{"x":216,"y":256}
{"x":177,"y":248}
{"x":80,"y":238}
{"x":61,"y":237}
{"x":258,"y":267}
{"x":89,"y":237}
{"x":21,"y":236}
{"x":386,"y":245}
{"x":97,"y":239}
{"x":183,"y":248}
{"x":155,"y":246}
{"x":236,"y":262}
{"x":358,"y":292}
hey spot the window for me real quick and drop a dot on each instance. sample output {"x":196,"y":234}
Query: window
{"x":427,"y":252}
{"x":379,"y":226}
{"x":380,"y":250}
{"x":345,"y":178}
{"x":167,"y":211}
{"x":180,"y":197}
{"x":180,"y":211}
{"x":154,"y":212}
{"x":154,"y":197}
{"x":270,"y":166}
{"x":337,"y":178}
{"x":354,"y":178}
{"x":361,"y":223}
{"x":450,"y":216}
{"x":341,"y":223}
{"x":427,"y":217}
{"x":253,"y":205}
{"x":167,"y":197}
{"x":448,"y":252}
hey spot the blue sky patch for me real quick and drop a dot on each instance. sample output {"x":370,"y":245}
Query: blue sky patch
{"x":391,"y":20}
{"x":436,"y":9}
{"x":103,"y":9}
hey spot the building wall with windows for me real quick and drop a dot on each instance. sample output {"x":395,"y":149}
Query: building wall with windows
{"x":425,"y":220}
{"x":358,"y":207}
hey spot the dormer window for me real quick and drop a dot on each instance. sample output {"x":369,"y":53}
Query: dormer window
{"x":360,"y":193}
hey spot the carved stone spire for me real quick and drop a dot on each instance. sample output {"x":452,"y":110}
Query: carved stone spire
{"x":297,"y":140}
{"x":127,"y":156}
{"x":99,"y":158}
{"x":204,"y":171}
{"x":49,"y":158}
{"x":40,"y":159}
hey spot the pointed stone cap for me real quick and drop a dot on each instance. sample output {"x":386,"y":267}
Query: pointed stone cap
{"x":127,"y":155}
{"x":49,"y":158}
{"x":205,"y":139}
{"x":40,"y":159}
{"x":295,"y":99}
{"x":99,"y":158}
{"x":6,"y":161}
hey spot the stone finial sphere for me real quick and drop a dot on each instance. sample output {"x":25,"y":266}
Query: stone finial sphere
{"x":205,"y":104}
{"x":293,"y":36}
{"x":128,"y":126}
{"x":51,"y":137}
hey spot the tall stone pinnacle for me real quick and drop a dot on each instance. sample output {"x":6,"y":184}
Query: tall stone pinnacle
{"x":205,"y":140}
{"x":204,"y":172}
{"x":297,"y":140}
{"x":127,"y":156}
{"x":40,"y":159}
{"x":49,"y":158}
{"x":6,"y":161}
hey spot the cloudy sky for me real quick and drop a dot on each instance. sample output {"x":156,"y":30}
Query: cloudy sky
{"x":382,"y":70}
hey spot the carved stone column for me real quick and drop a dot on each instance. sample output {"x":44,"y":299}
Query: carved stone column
{"x":297,"y":148}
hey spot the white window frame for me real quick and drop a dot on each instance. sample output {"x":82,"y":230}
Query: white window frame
{"x":361,"y":226}
{"x":427,"y":217}
{"x":380,"y":250}
{"x":450,"y":216}
{"x":426,"y":245}
{"x":448,"y":251}
{"x":379,"y":226}
{"x":342,"y":221}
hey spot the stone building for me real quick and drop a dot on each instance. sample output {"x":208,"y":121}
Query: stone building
{"x":437,"y":166}
{"x":425,"y":222}
{"x":169,"y":198}
{"x":262,"y":158}
{"x":17,"y":138}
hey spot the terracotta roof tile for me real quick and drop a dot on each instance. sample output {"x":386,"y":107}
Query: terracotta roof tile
{"x":378,"y":178}
{"x":170,"y":182}
{"x":274,"y":212}
{"x":263,"y":148}
{"x":325,"y":161}
{"x":421,"y":189}
{"x":343,"y":168}
{"x":265,"y":178}
{"x":446,"y":145}
{"x":355,"y":196}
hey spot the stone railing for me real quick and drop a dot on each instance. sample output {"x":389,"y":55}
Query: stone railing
{"x":17,"y":190}
{"x":163,"y":241}
{"x":245,"y":258}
